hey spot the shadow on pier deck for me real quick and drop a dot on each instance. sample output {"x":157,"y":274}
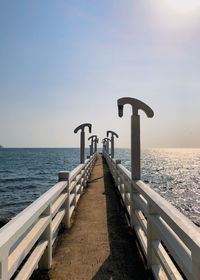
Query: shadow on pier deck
{"x":100,"y":244}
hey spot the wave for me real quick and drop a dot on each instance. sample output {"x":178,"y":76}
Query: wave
{"x":18,"y":179}
{"x":22,"y":179}
{"x":13,"y":204}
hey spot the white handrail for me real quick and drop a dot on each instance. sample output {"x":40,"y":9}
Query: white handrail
{"x":28,"y":237}
{"x":170,"y":241}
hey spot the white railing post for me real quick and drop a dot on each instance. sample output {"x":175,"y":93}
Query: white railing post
{"x":112,"y":168}
{"x":46,"y":259}
{"x":75,"y":192}
{"x":65,"y":176}
{"x":85,"y":175}
{"x":126,"y":192}
{"x":114,"y":163}
{"x":196,"y":263}
{"x":4,"y":264}
{"x":114,"y":171}
{"x":151,"y":235}
{"x":133,"y":219}
{"x":118,"y":180}
{"x":118,"y":161}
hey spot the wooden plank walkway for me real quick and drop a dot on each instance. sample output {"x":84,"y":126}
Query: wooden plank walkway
{"x":100,"y":244}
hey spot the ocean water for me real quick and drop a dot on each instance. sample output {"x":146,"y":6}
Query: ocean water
{"x":174,"y":174}
{"x":27,"y":173}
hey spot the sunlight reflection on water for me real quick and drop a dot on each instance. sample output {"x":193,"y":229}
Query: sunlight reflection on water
{"x":174,"y":174}
{"x":27,"y":173}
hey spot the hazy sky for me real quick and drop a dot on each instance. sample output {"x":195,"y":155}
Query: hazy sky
{"x":63,"y":63}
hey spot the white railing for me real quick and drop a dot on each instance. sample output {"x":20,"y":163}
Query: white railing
{"x":169,"y":240}
{"x":26,"y":241}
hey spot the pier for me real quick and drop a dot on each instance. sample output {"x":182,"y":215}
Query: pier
{"x":100,"y":244}
{"x":101,"y":221}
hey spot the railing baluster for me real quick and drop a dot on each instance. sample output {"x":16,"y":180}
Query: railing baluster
{"x":196,"y":264}
{"x":46,"y":259}
{"x":151,"y":235}
{"x":65,"y":176}
{"x":4,"y":264}
{"x":133,"y":217}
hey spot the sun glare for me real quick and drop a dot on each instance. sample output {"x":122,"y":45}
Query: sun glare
{"x":183,"y":6}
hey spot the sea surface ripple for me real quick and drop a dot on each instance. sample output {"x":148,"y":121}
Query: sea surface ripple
{"x":27,"y":173}
{"x":174,"y":174}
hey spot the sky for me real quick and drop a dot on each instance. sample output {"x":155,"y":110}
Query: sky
{"x":66,"y":62}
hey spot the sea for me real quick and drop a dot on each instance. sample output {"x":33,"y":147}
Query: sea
{"x":26,"y":173}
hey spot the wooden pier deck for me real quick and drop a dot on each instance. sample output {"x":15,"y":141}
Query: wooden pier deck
{"x":100,"y":244}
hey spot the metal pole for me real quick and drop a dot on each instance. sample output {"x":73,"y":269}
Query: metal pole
{"x":104,"y":145}
{"x":91,"y":149}
{"x":112,"y":146}
{"x":112,"y":141}
{"x":135,"y":147}
{"x":135,"y":130}
{"x":82,"y":140}
{"x":93,"y":139}
{"x":82,"y":155}
{"x":95,"y":145}
{"x":108,"y":147}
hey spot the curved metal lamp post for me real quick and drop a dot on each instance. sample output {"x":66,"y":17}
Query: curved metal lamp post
{"x":112,"y":140}
{"x":96,"y":140}
{"x":92,"y":137}
{"x":91,"y":145}
{"x":82,"y":141}
{"x":107,"y":144}
{"x":135,"y":130}
{"x":104,"y":141}
{"x":104,"y":144}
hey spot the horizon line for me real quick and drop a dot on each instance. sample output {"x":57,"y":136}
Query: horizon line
{"x":3,"y":147}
